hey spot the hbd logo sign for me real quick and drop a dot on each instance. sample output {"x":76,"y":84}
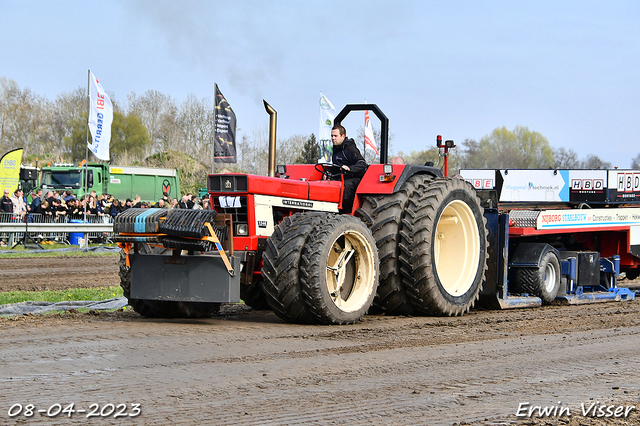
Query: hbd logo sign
{"x":587,"y":184}
{"x":628,"y":182}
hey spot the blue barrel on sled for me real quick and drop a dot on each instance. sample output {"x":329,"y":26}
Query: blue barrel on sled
{"x":76,"y":238}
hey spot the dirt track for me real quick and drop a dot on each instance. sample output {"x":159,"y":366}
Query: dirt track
{"x":249,"y":367}
{"x":51,"y":273}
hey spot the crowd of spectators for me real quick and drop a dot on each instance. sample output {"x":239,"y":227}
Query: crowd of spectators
{"x":57,"y":204}
{"x":63,"y":203}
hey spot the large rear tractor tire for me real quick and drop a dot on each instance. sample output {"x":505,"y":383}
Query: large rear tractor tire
{"x":339,"y":268}
{"x":446,"y":232}
{"x":281,"y":269}
{"x":383,"y":214}
{"x":160,"y":308}
{"x":543,"y":281}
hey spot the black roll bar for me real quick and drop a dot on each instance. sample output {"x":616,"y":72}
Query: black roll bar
{"x":384,"y":125}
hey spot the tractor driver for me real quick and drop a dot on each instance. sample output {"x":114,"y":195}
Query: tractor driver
{"x":347,"y":156}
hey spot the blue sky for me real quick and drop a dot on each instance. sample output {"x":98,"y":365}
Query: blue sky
{"x":566,"y":69}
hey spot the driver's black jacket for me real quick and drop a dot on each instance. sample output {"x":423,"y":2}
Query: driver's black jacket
{"x":347,"y":153}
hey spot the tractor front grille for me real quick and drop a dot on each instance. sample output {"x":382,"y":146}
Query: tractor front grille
{"x":238,"y":214}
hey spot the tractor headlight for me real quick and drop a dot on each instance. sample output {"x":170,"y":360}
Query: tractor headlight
{"x":242,"y":229}
{"x":387,"y":176}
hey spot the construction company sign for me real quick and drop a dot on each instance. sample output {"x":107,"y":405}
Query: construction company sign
{"x":588,"y":218}
{"x":577,"y":186}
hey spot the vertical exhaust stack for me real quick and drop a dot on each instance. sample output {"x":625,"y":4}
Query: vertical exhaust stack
{"x":273,"y":119}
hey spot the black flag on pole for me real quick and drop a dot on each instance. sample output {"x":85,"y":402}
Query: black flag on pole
{"x":224,"y":141}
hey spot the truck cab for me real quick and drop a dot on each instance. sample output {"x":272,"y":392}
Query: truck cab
{"x":72,"y":177}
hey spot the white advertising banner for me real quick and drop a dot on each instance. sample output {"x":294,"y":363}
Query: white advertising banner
{"x":327,"y":114}
{"x":567,"y":186}
{"x":100,"y":119}
{"x":523,"y":185}
{"x":480,"y":178}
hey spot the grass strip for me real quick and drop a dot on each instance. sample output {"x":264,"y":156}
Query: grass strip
{"x":97,"y":293}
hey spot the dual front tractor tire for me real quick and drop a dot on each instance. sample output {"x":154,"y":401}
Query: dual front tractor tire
{"x":339,"y":268}
{"x":320,"y":269}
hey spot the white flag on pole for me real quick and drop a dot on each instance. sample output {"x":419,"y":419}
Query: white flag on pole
{"x":369,"y":140}
{"x":327,"y":114}
{"x":100,"y":119}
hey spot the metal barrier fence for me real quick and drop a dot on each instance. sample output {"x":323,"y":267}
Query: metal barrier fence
{"x":62,"y":237}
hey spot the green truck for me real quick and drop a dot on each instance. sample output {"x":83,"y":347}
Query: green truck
{"x":120,"y":181}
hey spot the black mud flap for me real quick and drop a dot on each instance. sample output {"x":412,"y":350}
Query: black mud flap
{"x":184,"y":278}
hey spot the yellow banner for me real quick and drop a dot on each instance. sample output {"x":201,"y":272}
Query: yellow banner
{"x":10,"y":170}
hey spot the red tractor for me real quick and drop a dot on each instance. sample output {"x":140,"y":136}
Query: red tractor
{"x":414,"y":243}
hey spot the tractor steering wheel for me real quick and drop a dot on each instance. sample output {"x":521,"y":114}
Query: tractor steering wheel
{"x":330,"y":171}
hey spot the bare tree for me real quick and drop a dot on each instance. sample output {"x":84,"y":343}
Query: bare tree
{"x":68,"y":115}
{"x":594,"y":162}
{"x":158,"y":113}
{"x":253,"y":151}
{"x":195,"y":121}
{"x":8,"y":88}
{"x":471,"y":155}
{"x":465,"y":156}
{"x":422,"y":157}
{"x":21,"y":117}
{"x":288,"y":150}
{"x":369,"y":155}
{"x":565,"y":159}
{"x":57,"y":131}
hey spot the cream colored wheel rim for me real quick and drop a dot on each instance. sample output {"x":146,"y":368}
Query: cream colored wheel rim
{"x":456,"y":248}
{"x":350,"y":271}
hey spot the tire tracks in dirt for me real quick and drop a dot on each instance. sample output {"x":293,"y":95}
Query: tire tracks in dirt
{"x":58,"y":273}
{"x":246,"y":366}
